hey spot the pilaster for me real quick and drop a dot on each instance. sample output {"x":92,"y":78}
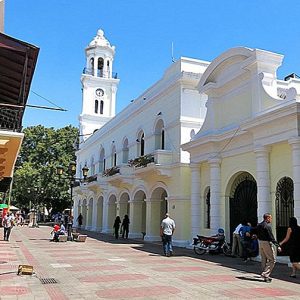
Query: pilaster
{"x":215,"y":194}
{"x":195,"y":200}
{"x":295,"y":144}
{"x":264,"y":201}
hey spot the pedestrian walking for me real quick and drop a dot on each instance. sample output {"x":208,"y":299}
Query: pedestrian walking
{"x":293,"y":237}
{"x":79,"y":220}
{"x":7,"y":223}
{"x":237,"y":249}
{"x":125,"y":227}
{"x":267,"y":250}
{"x":245,"y":238}
{"x":117,"y":226}
{"x":167,"y":229}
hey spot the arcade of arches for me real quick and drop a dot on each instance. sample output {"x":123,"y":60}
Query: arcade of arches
{"x":145,"y":213}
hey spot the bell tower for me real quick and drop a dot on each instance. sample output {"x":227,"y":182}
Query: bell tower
{"x":99,"y":86}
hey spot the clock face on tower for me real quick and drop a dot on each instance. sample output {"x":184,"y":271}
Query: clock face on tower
{"x":99,"y":92}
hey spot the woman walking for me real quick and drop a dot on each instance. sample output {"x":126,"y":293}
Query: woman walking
{"x":293,"y":236}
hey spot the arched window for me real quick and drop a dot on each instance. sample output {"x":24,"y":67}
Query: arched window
{"x":92,"y":63}
{"x":92,"y":166}
{"x":125,"y":151}
{"x":113,"y":156}
{"x":163,"y":139}
{"x":96,"y":106}
{"x":100,"y":66}
{"x":141,"y":143}
{"x":159,"y":135}
{"x":102,"y":161}
{"x":101,"y":107}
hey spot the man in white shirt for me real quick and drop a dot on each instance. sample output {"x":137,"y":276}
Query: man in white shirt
{"x":237,"y":249}
{"x":167,"y":228}
{"x":7,"y":223}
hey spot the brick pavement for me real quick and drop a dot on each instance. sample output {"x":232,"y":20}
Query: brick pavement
{"x":103,"y":268}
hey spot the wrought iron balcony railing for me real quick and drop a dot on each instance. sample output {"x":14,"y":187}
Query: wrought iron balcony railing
{"x":111,"y":171}
{"x":141,"y":161}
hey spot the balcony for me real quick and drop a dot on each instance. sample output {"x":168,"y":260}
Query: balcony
{"x":111,"y":171}
{"x":100,"y":73}
{"x":141,"y":161}
{"x":91,"y":178}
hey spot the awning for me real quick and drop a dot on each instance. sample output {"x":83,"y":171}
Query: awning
{"x":17,"y":64}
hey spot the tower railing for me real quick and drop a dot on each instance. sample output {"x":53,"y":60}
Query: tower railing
{"x":100,"y":73}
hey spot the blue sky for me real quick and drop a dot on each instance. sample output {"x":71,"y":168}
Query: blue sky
{"x":142,"y":32}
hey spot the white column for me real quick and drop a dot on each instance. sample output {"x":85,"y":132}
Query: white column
{"x":153,"y":219}
{"x":95,"y":66}
{"x":195,"y":200}
{"x":264,"y":201}
{"x":75,"y":212}
{"x":95,"y":215}
{"x":105,"y":223}
{"x":215,"y":194}
{"x":295,"y":144}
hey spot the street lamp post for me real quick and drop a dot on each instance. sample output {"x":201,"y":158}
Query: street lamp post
{"x":36,"y":191}
{"x":72,"y":182}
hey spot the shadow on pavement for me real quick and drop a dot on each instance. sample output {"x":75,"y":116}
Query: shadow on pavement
{"x":281,"y":271}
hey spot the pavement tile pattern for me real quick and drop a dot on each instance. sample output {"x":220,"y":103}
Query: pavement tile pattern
{"x":105,"y":268}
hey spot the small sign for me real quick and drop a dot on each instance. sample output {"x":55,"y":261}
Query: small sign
{"x":25,"y":270}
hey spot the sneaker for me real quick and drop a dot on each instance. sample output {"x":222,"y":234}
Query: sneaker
{"x":171,"y":253}
{"x":267,"y":279}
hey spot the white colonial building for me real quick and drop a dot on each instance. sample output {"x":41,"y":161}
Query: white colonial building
{"x":245,"y":160}
{"x":211,"y":143}
{"x":136,"y":165}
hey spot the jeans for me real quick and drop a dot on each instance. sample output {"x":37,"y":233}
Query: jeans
{"x":6,"y":233}
{"x":167,"y":244}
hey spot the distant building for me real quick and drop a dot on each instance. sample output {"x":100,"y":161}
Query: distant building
{"x":210,"y":143}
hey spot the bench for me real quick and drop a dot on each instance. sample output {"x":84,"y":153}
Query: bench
{"x":62,"y":238}
{"x":81,"y":238}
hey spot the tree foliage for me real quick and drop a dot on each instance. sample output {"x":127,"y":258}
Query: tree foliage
{"x":35,"y":179}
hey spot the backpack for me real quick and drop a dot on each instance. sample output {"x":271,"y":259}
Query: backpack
{"x":245,"y":233}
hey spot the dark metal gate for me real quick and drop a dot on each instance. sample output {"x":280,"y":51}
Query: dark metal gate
{"x":284,"y":206}
{"x":243,"y":203}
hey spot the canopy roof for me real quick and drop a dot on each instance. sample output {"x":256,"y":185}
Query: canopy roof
{"x":17,"y":64}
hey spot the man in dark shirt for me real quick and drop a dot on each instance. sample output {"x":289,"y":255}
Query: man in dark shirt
{"x":266,"y":247}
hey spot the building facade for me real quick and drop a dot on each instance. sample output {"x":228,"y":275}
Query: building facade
{"x":245,"y":160}
{"x":136,"y":165}
{"x":211,"y":143}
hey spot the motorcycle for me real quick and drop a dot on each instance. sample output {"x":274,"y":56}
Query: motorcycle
{"x":213,"y":244}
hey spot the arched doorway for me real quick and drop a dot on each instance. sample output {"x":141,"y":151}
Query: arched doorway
{"x":243,"y":201}
{"x":284,"y":205}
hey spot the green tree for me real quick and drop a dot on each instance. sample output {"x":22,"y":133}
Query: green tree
{"x":35,"y":179}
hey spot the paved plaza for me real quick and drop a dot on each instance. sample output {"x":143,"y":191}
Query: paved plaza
{"x":103,"y":268}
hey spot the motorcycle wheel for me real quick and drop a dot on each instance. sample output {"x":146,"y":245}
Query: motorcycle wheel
{"x":226,"y":249}
{"x":198,"y":250}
